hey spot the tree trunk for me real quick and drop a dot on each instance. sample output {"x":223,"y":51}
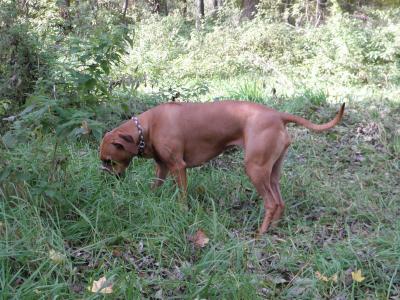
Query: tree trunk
{"x":200,"y":12}
{"x":320,"y":11}
{"x":166,"y":11}
{"x":249,"y":9}
{"x":63,"y":9}
{"x":64,"y":12}
{"x":215,"y":5}
{"x":126,"y":5}
{"x":201,"y":8}
{"x":160,"y":7}
{"x":184,"y":9}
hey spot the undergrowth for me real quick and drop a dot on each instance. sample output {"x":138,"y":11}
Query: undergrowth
{"x":64,"y":224}
{"x":341,"y":191}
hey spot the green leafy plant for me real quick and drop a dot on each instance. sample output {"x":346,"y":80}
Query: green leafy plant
{"x":65,"y":101}
{"x":248,"y":90}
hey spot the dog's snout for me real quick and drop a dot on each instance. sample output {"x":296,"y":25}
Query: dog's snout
{"x":103,"y":168}
{"x":119,"y":175}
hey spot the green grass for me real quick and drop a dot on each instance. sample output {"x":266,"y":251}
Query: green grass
{"x":342,"y":194}
{"x":64,"y":224}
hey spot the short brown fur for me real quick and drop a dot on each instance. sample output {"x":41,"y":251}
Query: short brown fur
{"x":183,"y":135}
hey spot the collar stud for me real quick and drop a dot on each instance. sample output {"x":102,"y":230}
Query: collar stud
{"x":141,"y":144}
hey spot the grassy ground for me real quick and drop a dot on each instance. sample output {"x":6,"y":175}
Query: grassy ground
{"x":65,"y":224}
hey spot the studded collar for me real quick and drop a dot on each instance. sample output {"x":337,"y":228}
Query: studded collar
{"x":142,"y":143}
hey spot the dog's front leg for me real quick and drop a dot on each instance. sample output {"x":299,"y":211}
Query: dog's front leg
{"x":179,"y":174}
{"x":161,"y":174}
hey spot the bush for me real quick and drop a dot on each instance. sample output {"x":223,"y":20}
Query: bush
{"x":67,"y":94}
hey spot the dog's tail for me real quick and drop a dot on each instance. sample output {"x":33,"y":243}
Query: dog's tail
{"x":288,"y":118}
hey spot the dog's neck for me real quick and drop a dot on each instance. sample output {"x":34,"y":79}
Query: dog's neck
{"x":141,"y":143}
{"x":144,"y":124}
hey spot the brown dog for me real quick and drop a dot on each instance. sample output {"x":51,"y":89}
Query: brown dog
{"x":183,"y":135}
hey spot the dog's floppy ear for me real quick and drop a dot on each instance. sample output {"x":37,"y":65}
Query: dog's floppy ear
{"x":127,"y":138}
{"x":125,"y":142}
{"x":119,"y":146}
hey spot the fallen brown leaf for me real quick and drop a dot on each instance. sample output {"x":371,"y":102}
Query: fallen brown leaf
{"x":2,"y":228}
{"x":101,"y":286}
{"x":85,"y":127}
{"x":199,"y":239}
{"x":19,"y":281}
{"x":77,"y":288}
{"x":117,"y":252}
{"x":321,"y":277}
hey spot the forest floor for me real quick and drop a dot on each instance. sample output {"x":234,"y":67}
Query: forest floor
{"x":72,"y":224}
{"x":64,"y":224}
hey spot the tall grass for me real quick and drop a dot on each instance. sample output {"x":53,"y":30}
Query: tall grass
{"x":64,"y":224}
{"x":341,"y":216}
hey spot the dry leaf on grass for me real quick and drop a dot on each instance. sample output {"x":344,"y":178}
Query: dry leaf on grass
{"x":321,"y":277}
{"x":117,"y":252}
{"x":2,"y":228}
{"x":275,"y":279}
{"x":57,"y":257}
{"x":101,"y":286}
{"x":159,"y":294}
{"x":357,"y":276}
{"x":325,"y":278}
{"x":199,"y":239}
{"x":85,"y":128}
{"x":299,"y":287}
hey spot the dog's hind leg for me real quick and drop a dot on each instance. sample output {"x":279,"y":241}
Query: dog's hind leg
{"x":263,"y":159}
{"x":260,"y":177}
{"x":275,"y":177}
{"x":275,"y":184}
{"x":259,"y":163}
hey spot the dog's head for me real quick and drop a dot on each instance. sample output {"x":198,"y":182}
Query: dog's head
{"x":116,"y":152}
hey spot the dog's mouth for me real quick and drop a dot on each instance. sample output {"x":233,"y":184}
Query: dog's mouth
{"x":105,"y":169}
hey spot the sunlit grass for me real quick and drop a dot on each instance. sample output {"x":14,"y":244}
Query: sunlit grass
{"x":341,"y":216}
